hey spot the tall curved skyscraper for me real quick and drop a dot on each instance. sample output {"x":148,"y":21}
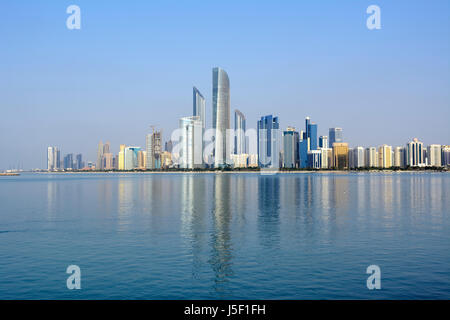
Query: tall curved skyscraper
{"x":221,"y":115}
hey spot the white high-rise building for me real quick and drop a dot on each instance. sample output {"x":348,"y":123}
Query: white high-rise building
{"x":371,"y":157}
{"x":191,"y":143}
{"x":53,"y":158}
{"x":356,"y":157}
{"x":414,"y":153}
{"x":434,"y":155}
{"x":326,"y":157}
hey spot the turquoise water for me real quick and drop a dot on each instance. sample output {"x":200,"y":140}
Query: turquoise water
{"x":225,"y":236}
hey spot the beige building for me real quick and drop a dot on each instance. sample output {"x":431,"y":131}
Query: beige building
{"x":108,"y":161}
{"x":340,"y":155}
{"x":385,"y":156}
{"x":141,"y":159}
{"x":121,"y":165}
{"x":166,"y":159}
{"x":240,"y":160}
{"x":434,"y":155}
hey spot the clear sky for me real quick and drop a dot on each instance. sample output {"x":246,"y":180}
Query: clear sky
{"x":133,"y":64}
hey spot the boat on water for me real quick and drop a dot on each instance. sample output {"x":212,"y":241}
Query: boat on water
{"x":9,"y":174}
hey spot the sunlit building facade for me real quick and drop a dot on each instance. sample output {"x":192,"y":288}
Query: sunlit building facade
{"x":385,"y":156}
{"x":340,"y":155}
{"x":191,"y":142}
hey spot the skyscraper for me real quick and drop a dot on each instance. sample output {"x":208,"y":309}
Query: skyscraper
{"x":371,"y":157}
{"x":153,"y":146}
{"x":303,"y":146}
{"x":191,"y":142}
{"x":199,"y":106}
{"x":399,"y":157}
{"x":239,"y":128}
{"x":311,"y":134}
{"x":108,"y":161}
{"x":356,"y":157}
{"x":79,"y":164}
{"x":445,"y":156}
{"x":131,"y":157}
{"x":335,"y":135}
{"x":53,"y":158}
{"x":99,"y":165}
{"x":221,"y":116}
{"x":50,"y":159}
{"x":106,"y":148}
{"x":142,"y":160}
{"x":290,"y":147}
{"x":340,"y":155}
{"x":121,"y":160}
{"x":269,"y":142}
{"x":385,"y":156}
{"x":414,"y":153}
{"x":323,"y":142}
{"x":434,"y":155}
{"x":68,"y":162}
{"x":326,"y":157}
{"x":315,"y":159}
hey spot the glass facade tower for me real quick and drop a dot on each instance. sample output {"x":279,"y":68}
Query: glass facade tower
{"x":335,"y":135}
{"x":199,"y":106}
{"x":268,"y":142}
{"x":239,"y":128}
{"x":221,"y":116}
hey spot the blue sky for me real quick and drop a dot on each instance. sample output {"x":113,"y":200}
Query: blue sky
{"x":133,"y":64}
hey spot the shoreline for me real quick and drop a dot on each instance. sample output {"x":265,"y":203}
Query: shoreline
{"x":261,"y":172}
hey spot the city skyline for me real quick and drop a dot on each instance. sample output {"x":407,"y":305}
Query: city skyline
{"x":382,"y":87}
{"x":291,"y":149}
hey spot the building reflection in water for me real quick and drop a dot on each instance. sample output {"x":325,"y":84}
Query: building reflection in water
{"x":194,"y":224}
{"x":217,"y":212}
{"x":125,"y":202}
{"x":221,"y":244}
{"x":269,"y":206}
{"x":53,"y":196}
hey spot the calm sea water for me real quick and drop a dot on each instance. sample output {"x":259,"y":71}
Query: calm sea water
{"x":225,"y":236}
